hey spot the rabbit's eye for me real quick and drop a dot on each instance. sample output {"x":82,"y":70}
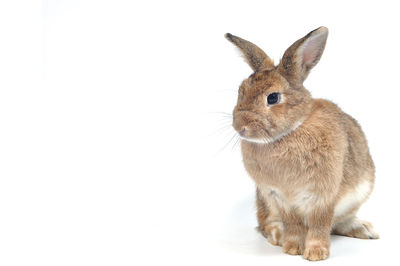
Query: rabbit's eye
{"x":273,"y":98}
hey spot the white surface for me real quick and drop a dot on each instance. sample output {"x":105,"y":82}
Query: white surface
{"x":111,"y":147}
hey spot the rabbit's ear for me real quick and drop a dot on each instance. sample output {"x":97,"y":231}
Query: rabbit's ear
{"x":303,"y":55}
{"x":253,"y":55}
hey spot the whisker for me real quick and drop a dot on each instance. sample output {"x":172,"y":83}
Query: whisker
{"x":236,"y":144}
{"x":221,"y":130}
{"x":229,"y":142}
{"x":223,"y":113}
{"x":265,"y":138}
{"x":226,"y":120}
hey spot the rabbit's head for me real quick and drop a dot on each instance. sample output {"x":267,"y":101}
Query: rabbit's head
{"x":272,"y":102}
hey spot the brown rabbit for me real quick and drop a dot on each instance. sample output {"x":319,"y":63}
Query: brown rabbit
{"x":310,"y":160}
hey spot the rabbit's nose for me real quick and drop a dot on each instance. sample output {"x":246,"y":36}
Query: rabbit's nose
{"x":242,"y":131}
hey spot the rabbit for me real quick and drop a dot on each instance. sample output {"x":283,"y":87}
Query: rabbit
{"x":309,"y":160}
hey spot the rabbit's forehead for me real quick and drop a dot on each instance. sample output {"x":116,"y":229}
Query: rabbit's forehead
{"x":264,"y":81}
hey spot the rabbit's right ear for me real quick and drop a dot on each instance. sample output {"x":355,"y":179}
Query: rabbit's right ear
{"x":253,"y":55}
{"x":303,"y":55}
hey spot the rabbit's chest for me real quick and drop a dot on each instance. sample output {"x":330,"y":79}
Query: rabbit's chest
{"x":301,"y":200}
{"x":279,"y":180}
{"x":273,"y":168}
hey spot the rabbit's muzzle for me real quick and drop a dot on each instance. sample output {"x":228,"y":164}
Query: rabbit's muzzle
{"x":249,"y":125}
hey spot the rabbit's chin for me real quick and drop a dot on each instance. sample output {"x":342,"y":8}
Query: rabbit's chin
{"x":269,"y":139}
{"x":258,"y":141}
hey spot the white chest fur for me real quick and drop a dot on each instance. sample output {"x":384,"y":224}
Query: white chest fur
{"x":301,"y":201}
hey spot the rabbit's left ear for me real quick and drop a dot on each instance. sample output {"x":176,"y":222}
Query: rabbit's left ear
{"x":254,"y":56}
{"x":303,"y":55}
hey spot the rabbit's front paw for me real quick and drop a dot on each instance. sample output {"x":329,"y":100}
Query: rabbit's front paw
{"x":316,"y":252}
{"x":293,"y":247}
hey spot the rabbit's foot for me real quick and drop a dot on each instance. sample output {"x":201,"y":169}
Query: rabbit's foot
{"x":355,"y":228}
{"x":293,"y":246}
{"x":274,"y":232}
{"x":316,"y":252}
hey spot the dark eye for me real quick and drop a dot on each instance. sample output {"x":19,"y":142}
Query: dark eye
{"x":273,"y":98}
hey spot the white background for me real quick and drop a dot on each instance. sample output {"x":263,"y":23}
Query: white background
{"x":113,"y":150}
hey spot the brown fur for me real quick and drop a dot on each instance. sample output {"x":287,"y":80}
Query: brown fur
{"x":310,"y":161}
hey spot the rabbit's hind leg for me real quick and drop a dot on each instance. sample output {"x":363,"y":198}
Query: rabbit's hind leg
{"x":354,"y":227}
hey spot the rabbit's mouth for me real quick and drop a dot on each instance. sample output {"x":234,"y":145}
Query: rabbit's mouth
{"x":250,"y":127}
{"x":264,"y":136}
{"x":254,"y":132}
{"x":256,"y":128}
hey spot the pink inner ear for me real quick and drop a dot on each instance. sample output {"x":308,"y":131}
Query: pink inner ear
{"x":313,"y":49}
